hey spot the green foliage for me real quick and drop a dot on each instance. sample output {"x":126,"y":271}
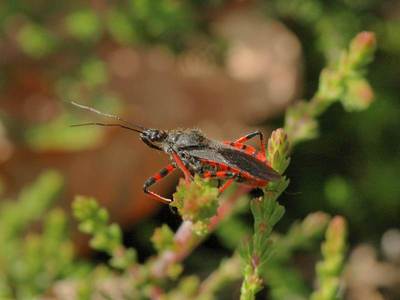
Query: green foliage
{"x":266,"y":212}
{"x":57,"y":135}
{"x":344,"y":81}
{"x":278,"y":150}
{"x":120,"y":26}
{"x":84,"y":25}
{"x":108,"y":238}
{"x":228,"y":271}
{"x":15,"y":216}
{"x":35,"y":40}
{"x":330,"y":268}
{"x":186,"y":289}
{"x":197,"y":202}
{"x":162,"y":20}
{"x":93,"y":72}
{"x":332,"y":24}
{"x":301,"y":236}
{"x":30,"y":263}
{"x":163,"y":238}
{"x":232,"y":230}
{"x":324,"y":28}
{"x":338,"y":191}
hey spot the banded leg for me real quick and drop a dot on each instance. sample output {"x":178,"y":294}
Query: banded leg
{"x":250,"y":150}
{"x":157,"y":177}
{"x":249,"y":136}
{"x":239,"y":144}
{"x":221,"y":175}
{"x":182,"y":166}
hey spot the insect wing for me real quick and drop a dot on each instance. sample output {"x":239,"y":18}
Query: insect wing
{"x":238,"y":160}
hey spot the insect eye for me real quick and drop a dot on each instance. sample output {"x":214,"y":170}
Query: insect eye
{"x":156,"y":135}
{"x":161,"y":135}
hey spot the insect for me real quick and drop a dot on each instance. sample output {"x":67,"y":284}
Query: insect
{"x":193,"y":153}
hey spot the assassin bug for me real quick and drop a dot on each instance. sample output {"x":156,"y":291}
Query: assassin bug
{"x":192,"y":152}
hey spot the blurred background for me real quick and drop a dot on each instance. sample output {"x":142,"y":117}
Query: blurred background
{"x":227,"y":67}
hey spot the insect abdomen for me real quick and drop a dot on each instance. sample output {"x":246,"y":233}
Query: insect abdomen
{"x":237,"y":160}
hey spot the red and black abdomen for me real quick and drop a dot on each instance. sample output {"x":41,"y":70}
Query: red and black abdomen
{"x":249,"y":164}
{"x":236,"y":159}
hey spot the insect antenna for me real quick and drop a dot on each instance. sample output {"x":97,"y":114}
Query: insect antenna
{"x":91,"y":109}
{"x":106,"y":124}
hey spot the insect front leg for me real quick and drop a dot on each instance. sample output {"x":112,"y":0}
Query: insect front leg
{"x":182,"y":166}
{"x":155,"y":178}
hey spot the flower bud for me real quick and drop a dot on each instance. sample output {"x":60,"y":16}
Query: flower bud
{"x":362,"y":48}
{"x":359,"y":94}
{"x":278,"y":150}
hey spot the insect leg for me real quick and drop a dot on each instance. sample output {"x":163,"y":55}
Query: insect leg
{"x":157,"y":177}
{"x":221,"y":175}
{"x":248,"y":149}
{"x":249,"y":136}
{"x":226,"y":185}
{"x":182,"y":166}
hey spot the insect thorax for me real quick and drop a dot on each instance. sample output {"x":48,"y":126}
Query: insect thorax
{"x":182,"y":139}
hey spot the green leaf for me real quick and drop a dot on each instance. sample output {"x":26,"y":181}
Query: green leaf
{"x":83,"y":25}
{"x":121,"y":27}
{"x":35,"y":40}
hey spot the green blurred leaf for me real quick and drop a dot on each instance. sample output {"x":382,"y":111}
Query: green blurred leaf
{"x":35,"y":40}
{"x":121,"y":27}
{"x":58,"y":135}
{"x":84,"y":25}
{"x":94,"y":72}
{"x":338,"y":191}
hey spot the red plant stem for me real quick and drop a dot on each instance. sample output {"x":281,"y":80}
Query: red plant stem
{"x":187,"y":240}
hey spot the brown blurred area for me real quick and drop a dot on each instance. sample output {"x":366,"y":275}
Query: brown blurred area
{"x":260,"y":77}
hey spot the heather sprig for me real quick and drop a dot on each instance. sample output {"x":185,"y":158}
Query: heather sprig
{"x":163,"y":238}
{"x":301,"y":236}
{"x":266,"y":213}
{"x":197,"y":202}
{"x":343,"y":81}
{"x":330,"y":268}
{"x":105,"y":237}
{"x":32,"y":261}
{"x":32,"y":202}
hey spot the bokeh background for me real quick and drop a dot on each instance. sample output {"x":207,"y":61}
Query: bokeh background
{"x":227,"y":67}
